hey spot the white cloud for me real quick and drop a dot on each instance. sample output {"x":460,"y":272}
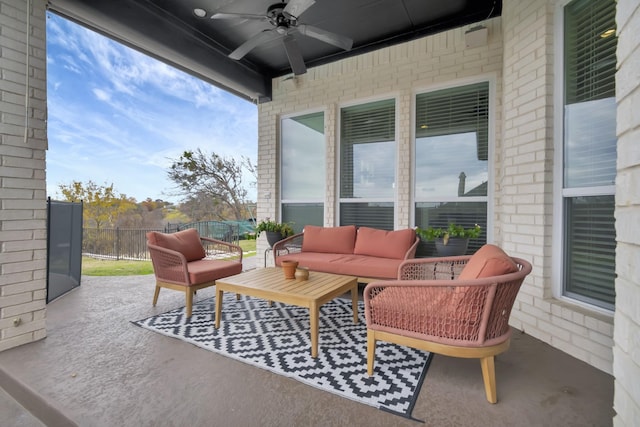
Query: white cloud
{"x":117,"y":115}
{"x":102,"y":95}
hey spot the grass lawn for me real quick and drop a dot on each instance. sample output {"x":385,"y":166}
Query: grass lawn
{"x":105,"y":267}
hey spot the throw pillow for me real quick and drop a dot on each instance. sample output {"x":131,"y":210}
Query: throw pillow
{"x":332,"y":240}
{"x":488,"y":261}
{"x":384,"y":244}
{"x":187,"y":242}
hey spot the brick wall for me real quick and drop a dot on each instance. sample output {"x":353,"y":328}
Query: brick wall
{"x":527,"y":203}
{"x":520,"y":58}
{"x":395,"y":72}
{"x":626,"y":366}
{"x":22,"y":174}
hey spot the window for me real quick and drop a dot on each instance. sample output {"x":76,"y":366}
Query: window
{"x":367,"y":164}
{"x":303,"y":170}
{"x":589,"y":151}
{"x":451,"y":156}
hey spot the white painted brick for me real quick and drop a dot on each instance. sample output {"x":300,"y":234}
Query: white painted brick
{"x":7,"y":343}
{"x":22,"y":183}
{"x":554,"y":330}
{"x":537,"y":333}
{"x":23,"y":329}
{"x":24,"y":309}
{"x":571,"y":349}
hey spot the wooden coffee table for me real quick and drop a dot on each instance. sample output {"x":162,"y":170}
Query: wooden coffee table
{"x":270,"y":284}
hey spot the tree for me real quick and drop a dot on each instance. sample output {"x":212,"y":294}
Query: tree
{"x":101,"y":204}
{"x":202,"y":176}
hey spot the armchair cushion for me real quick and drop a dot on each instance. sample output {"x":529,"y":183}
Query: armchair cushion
{"x":384,"y":244}
{"x":187,"y":242}
{"x":488,"y":261}
{"x":208,"y":270}
{"x":335,"y":240}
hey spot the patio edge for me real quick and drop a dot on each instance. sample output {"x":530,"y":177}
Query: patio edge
{"x":33,"y":402}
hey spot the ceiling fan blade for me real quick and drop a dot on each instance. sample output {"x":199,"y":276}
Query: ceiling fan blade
{"x":237,"y":16}
{"x":260,"y":38}
{"x":297,"y":7}
{"x":294,"y":55}
{"x":332,"y":38}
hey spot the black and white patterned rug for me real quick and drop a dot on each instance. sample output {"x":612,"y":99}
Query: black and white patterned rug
{"x":277,"y":338}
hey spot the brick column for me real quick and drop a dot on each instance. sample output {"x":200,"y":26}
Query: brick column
{"x":23,"y":211}
{"x":626,"y":363}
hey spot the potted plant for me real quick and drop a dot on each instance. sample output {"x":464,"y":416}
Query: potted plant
{"x":452,"y":240}
{"x":274,"y":231}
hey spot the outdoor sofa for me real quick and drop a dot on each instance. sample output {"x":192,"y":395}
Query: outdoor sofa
{"x":366,"y":253}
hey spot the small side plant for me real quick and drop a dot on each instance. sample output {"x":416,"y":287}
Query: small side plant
{"x":452,"y":231}
{"x":284,"y":228}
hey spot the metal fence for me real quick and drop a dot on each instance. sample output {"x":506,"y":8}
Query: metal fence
{"x":128,"y":243}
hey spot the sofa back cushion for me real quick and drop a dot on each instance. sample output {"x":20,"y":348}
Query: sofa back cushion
{"x":187,"y":242}
{"x":336,"y":240}
{"x":488,"y":261}
{"x":384,"y":244}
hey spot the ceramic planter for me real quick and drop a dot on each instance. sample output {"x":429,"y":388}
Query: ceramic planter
{"x":455,"y":246}
{"x":289,"y":269}
{"x":273,"y":237}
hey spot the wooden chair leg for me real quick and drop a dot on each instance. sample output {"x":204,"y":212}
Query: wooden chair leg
{"x":489,"y":377}
{"x":155,"y":295}
{"x":189,"y":301}
{"x":371,"y":351}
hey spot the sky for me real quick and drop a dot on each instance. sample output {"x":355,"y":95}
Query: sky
{"x":117,"y":116}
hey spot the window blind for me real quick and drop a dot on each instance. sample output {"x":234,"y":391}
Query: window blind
{"x":303,"y":170}
{"x":372,"y":122}
{"x":590,"y":50}
{"x":455,"y":110}
{"x":591,"y":245}
{"x":367,"y":164}
{"x":590,"y":146}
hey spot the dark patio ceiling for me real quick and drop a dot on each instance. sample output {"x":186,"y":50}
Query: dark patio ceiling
{"x":170,"y":31}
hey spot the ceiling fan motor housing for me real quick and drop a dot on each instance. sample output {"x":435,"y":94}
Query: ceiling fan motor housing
{"x":280,"y":19}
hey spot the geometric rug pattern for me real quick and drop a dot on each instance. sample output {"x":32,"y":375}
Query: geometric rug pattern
{"x":277,"y":338}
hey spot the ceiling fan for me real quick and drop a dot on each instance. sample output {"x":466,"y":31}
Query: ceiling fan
{"x":284,"y":18}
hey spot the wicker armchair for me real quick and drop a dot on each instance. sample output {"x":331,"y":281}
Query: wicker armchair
{"x":436,"y":307}
{"x":185,"y":261}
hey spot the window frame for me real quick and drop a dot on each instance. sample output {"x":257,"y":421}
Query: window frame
{"x":338,"y":157}
{"x":282,"y":200}
{"x":489,"y":198}
{"x":560,"y":194}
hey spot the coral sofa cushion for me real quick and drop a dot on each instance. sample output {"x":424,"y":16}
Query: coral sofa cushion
{"x":187,"y":242}
{"x":384,"y":244}
{"x":335,"y":240}
{"x":488,"y":261}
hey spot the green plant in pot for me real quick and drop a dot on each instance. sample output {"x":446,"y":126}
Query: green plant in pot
{"x":452,"y":240}
{"x":274,"y":231}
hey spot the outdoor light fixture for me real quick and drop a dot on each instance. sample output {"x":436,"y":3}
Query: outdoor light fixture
{"x":200,"y":13}
{"x":608,"y":33}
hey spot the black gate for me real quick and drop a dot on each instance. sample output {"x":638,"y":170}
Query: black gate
{"x":64,"y":247}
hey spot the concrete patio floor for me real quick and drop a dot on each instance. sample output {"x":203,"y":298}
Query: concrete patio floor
{"x":95,"y":368}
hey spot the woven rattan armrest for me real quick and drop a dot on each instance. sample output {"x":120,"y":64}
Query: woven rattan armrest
{"x":169,"y":265}
{"x":289,"y":245}
{"x":219,"y":248}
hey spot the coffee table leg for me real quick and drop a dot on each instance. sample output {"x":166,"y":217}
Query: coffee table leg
{"x":354,"y":302}
{"x":313,"y":316}
{"x":218,"y":306}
